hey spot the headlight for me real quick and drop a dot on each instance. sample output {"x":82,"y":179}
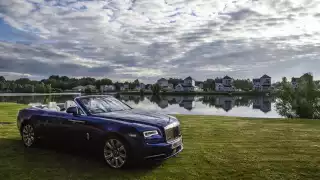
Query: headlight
{"x":150,"y":133}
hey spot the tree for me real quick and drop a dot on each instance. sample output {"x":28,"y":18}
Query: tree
{"x":155,"y":89}
{"x":300,"y":102}
{"x":243,"y":84}
{"x":2,"y":79}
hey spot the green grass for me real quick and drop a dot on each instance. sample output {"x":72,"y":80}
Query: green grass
{"x":215,"y":148}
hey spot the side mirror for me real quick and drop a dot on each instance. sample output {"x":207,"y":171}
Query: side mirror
{"x":73,"y":110}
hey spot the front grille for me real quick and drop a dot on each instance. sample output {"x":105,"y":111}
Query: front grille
{"x":172,"y":133}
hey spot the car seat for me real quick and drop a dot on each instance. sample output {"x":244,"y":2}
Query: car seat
{"x":68,"y":104}
{"x":53,"y":106}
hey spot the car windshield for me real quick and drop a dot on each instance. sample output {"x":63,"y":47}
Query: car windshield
{"x":103,"y":104}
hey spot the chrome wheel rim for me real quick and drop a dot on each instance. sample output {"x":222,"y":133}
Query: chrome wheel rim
{"x":28,"y":135}
{"x":115,"y":153}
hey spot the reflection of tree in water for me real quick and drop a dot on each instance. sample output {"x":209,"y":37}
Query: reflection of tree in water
{"x":208,"y":100}
{"x":36,"y":99}
{"x":142,"y":98}
{"x":243,"y":101}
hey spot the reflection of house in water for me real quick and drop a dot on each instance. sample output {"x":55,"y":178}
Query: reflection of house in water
{"x":262,"y":103}
{"x":188,"y":102}
{"x":125,"y":97}
{"x":225,"y":102}
{"x":163,"y":103}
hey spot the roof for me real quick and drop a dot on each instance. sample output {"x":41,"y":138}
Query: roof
{"x":162,"y":79}
{"x":256,"y":80}
{"x":265,"y":76}
{"x":186,"y":85}
{"x":227,"y":77}
{"x":218,"y":80}
{"x":188,"y":78}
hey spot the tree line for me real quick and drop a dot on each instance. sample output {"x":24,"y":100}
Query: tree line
{"x":56,"y":83}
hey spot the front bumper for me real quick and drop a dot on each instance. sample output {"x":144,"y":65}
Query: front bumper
{"x":162,"y":151}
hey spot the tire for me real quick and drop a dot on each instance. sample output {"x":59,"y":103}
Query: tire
{"x":116,"y":152}
{"x":28,"y":135}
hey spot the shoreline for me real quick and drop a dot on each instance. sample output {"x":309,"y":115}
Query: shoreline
{"x":200,"y":93}
{"x":36,"y":94}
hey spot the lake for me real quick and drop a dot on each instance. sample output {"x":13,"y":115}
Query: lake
{"x":246,"y":106}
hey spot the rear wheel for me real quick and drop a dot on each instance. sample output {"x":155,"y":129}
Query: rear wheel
{"x":116,"y":152}
{"x":28,"y":134}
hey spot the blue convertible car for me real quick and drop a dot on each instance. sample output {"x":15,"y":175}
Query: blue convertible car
{"x":120,"y":133}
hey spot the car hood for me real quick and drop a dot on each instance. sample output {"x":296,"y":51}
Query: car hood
{"x":139,"y":116}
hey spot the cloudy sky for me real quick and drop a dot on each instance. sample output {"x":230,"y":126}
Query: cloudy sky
{"x":149,"y":39}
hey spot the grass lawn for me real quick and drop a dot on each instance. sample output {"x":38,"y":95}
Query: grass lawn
{"x":215,"y":148}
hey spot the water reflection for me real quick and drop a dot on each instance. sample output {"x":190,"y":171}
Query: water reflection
{"x":227,"y":103}
{"x":214,"y":105}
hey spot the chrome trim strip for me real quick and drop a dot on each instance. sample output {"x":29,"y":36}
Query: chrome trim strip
{"x":76,"y":121}
{"x":175,"y":140}
{"x":172,"y":125}
{"x":153,"y":156}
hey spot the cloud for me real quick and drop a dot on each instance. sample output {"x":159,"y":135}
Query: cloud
{"x":149,"y":39}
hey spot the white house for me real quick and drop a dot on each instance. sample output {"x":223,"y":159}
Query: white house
{"x":124,"y":87}
{"x":188,"y":85}
{"x":163,"y":83}
{"x":108,"y":88}
{"x":262,"y":84}
{"x":83,"y":88}
{"x":224,"y":84}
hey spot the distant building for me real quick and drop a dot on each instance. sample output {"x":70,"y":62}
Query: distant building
{"x":106,"y":88}
{"x":148,"y":87}
{"x":140,"y":86}
{"x":188,"y":85}
{"x":262,"y":84}
{"x":83,"y":88}
{"x":124,"y":87}
{"x":163,"y":83}
{"x":224,"y":84}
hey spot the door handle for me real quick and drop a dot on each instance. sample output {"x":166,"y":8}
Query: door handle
{"x":76,"y":121}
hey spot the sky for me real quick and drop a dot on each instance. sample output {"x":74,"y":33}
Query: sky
{"x":149,"y":39}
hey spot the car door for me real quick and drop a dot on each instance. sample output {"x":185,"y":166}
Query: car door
{"x":52,"y":122}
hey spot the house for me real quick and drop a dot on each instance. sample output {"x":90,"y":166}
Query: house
{"x":124,"y":87}
{"x":107,"y":88}
{"x":163,"y":83}
{"x":224,"y":84}
{"x":140,"y":86}
{"x":148,"y":87}
{"x":188,"y":85}
{"x":294,"y":82}
{"x":83,"y":88}
{"x":262,"y":84}
{"x":199,"y":84}
{"x":79,"y":88}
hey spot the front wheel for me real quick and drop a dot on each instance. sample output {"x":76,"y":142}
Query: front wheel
{"x":116,"y":152}
{"x":28,"y":134}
